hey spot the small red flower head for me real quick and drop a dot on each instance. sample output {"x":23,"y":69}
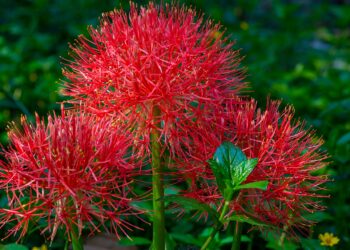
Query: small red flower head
{"x":288,"y":156}
{"x":72,"y":173}
{"x":158,"y":68}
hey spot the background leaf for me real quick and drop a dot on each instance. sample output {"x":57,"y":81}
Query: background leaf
{"x":13,"y":246}
{"x":193,"y":204}
{"x":246,"y":219}
{"x":257,"y":184}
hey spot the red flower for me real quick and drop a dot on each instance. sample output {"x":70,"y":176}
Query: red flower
{"x":156,"y":67}
{"x":73,"y":173}
{"x":288,"y":156}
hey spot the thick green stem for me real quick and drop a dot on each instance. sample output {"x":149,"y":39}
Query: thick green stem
{"x":217,"y":227}
{"x":237,"y":236}
{"x":158,"y":189}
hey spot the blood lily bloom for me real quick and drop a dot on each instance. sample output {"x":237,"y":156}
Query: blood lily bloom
{"x":158,"y":67}
{"x":72,"y":174}
{"x":288,"y":157}
{"x":164,"y":73}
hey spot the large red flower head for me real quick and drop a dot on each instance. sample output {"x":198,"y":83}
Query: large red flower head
{"x":72,"y":173}
{"x":157,"y":67}
{"x":288,"y":156}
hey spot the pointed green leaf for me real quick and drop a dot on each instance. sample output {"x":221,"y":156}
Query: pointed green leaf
{"x":170,"y":243}
{"x":257,"y":184}
{"x":231,"y":168}
{"x":219,"y":175}
{"x":246,"y":219}
{"x":193,"y":204}
{"x":225,"y":160}
{"x":243,"y":170}
{"x":229,"y":240}
{"x":145,"y":206}
{"x":227,"y":157}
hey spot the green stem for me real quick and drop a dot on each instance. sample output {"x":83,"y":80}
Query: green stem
{"x":77,"y":242}
{"x":217,"y":227}
{"x":66,"y":245}
{"x":210,"y":238}
{"x":237,"y":236}
{"x":251,"y":237}
{"x":283,"y":236}
{"x":158,"y":189}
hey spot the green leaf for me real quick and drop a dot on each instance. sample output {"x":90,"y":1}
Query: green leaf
{"x":226,"y":240}
{"x":193,"y":204}
{"x":243,"y":170}
{"x":245,"y":238}
{"x":311,"y":244}
{"x":219,"y":175}
{"x":13,"y":246}
{"x":170,"y":243}
{"x":145,"y":206}
{"x":230,"y":167}
{"x":205,"y":234}
{"x":135,"y":241}
{"x":186,"y":238}
{"x":228,"y":157}
{"x":257,"y":184}
{"x":246,"y":219}
{"x":272,"y":243}
{"x":229,"y":240}
{"x":319,"y":216}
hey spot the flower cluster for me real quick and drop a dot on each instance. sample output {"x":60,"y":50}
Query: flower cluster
{"x":164,"y":71}
{"x":157,"y":67}
{"x":288,"y":156}
{"x":72,"y":172}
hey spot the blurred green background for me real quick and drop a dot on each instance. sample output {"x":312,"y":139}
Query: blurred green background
{"x":297,"y":51}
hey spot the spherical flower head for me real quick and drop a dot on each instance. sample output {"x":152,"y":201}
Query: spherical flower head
{"x":157,"y":67}
{"x":288,"y":157}
{"x":72,"y":174}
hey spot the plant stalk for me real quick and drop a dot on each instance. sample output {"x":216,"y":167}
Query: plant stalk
{"x":237,"y":236}
{"x":210,"y":238}
{"x":77,"y":242}
{"x":158,"y":189}
{"x":283,"y":235}
{"x":218,"y":227}
{"x":251,"y":242}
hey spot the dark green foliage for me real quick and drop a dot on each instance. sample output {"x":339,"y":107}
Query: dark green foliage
{"x":294,"y":50}
{"x":231,"y":168}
